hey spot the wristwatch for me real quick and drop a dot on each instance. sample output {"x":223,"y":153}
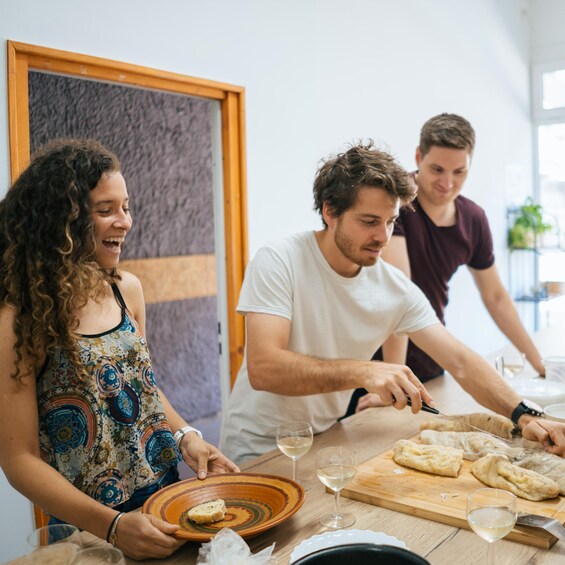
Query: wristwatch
{"x":179,"y":434}
{"x":526,"y":407}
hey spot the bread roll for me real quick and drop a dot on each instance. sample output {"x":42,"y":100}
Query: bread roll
{"x":492,"y":423}
{"x":207,"y":512}
{"x":435,"y":459}
{"x":546,"y":464}
{"x":497,"y":471}
{"x":473,"y":444}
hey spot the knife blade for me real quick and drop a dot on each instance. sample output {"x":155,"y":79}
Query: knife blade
{"x":431,"y":410}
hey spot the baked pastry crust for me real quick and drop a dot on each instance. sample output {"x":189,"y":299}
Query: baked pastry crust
{"x":435,"y":459}
{"x":497,"y":471}
{"x":207,"y":512}
{"x":473,"y":444}
{"x":491,"y":423}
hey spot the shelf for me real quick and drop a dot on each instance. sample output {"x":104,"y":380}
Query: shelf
{"x":537,"y":299}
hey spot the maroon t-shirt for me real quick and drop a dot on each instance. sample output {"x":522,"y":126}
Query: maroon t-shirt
{"x":435,"y":254}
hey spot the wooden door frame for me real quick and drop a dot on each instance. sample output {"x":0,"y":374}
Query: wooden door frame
{"x":23,"y":57}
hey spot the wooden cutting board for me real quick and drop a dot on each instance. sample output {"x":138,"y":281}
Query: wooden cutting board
{"x":382,"y":482}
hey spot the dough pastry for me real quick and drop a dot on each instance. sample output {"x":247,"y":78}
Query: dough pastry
{"x":473,"y":444}
{"x":546,"y":464}
{"x":492,"y":423}
{"x":497,"y":471}
{"x":435,"y":459}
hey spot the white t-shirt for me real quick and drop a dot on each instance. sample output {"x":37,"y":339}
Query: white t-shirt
{"x":332,"y":317}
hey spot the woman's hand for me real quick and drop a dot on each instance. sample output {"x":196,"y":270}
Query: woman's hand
{"x":142,"y":536}
{"x":203,"y":457}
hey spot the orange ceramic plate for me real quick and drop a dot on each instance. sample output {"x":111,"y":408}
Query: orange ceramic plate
{"x":254,"y":503}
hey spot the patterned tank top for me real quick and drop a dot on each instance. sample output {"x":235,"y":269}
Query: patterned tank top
{"x":107,"y":434}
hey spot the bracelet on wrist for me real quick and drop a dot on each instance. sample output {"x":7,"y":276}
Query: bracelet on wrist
{"x":112,"y":535}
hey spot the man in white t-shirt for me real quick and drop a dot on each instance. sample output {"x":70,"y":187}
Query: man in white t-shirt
{"x":318,"y":304}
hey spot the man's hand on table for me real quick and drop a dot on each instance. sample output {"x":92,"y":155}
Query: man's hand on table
{"x":550,"y":434}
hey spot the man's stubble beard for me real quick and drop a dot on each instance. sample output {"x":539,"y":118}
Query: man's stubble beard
{"x":347,"y":248}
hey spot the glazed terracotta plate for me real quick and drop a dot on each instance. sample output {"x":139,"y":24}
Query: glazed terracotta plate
{"x":254,"y":503}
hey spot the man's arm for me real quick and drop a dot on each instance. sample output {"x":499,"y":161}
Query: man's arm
{"x":272,"y":367}
{"x":485,"y":385}
{"x":396,"y":253}
{"x":470,"y":370}
{"x":503,"y":311}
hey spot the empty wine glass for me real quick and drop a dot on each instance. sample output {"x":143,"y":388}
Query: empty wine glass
{"x":98,"y":555}
{"x":510,"y":364}
{"x":294,"y":439}
{"x":491,"y":513}
{"x":336,"y":467}
{"x":57,"y":543}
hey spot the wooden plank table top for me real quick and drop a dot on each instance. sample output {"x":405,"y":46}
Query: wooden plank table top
{"x":370,"y":433}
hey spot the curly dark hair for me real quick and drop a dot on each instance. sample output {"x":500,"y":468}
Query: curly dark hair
{"x":48,"y":265}
{"x":340,"y":177}
{"x":447,"y":130}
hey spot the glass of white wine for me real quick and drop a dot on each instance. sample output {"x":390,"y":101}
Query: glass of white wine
{"x":510,"y":364}
{"x":294,"y":439}
{"x":491,"y":513}
{"x":336,"y":467}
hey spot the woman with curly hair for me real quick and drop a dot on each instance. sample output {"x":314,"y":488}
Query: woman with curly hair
{"x":85,"y":433}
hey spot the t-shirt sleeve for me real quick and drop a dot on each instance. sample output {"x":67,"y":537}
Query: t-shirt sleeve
{"x":267,"y":286}
{"x":399,"y":224}
{"x":418,"y":314}
{"x":483,"y":255}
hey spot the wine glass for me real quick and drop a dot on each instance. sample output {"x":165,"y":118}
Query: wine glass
{"x":294,"y":439}
{"x":491,"y":513}
{"x":57,"y":543}
{"x":510,"y":364}
{"x":97,"y":555}
{"x":336,"y":467}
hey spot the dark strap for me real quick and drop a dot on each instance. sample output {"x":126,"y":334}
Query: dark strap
{"x":119,"y":296}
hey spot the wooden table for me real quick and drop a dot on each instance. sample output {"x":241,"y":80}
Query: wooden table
{"x":370,"y":433}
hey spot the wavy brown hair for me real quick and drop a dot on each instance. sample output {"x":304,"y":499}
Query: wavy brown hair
{"x":48,"y":266}
{"x":340,"y":178}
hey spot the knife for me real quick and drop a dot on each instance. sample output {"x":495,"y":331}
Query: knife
{"x":428,"y":408}
{"x":551,"y":525}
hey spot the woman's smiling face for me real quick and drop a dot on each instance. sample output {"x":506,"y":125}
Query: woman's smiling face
{"x":109,"y":204}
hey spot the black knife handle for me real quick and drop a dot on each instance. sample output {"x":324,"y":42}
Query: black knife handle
{"x":425,"y":407}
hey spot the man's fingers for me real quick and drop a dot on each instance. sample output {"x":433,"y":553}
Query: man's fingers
{"x":400,"y":400}
{"x":426,"y":396}
{"x":369,"y":400}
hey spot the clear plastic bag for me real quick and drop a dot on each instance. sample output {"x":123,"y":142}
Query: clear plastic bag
{"x":229,"y":548}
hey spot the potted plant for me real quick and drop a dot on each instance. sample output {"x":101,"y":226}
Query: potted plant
{"x":528,"y":225}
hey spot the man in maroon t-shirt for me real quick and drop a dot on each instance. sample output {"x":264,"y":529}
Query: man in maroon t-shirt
{"x":444,"y":231}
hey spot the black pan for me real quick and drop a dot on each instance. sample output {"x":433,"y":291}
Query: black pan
{"x":362,"y":554}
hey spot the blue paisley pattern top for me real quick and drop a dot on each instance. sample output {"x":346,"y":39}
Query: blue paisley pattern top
{"x":108,"y":434}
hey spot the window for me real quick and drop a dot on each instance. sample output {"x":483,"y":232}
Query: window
{"x":549,"y":123}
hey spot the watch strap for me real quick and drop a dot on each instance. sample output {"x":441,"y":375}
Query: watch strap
{"x":179,"y":434}
{"x":522,"y":409}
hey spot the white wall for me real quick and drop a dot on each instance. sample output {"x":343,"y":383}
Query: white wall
{"x":547,"y":37}
{"x":318,"y":74}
